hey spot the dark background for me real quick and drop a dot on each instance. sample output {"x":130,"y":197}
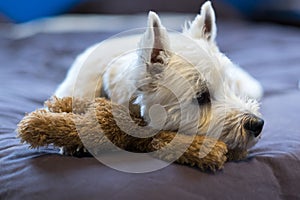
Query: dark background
{"x":279,"y":11}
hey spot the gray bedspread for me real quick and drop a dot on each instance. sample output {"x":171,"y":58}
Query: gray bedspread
{"x":32,"y":67}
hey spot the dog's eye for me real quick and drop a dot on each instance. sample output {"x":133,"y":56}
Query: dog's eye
{"x":203,"y":98}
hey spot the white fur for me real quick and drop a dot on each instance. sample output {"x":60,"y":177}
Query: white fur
{"x":243,"y":82}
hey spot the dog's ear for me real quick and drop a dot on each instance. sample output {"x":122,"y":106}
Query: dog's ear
{"x":204,"y":25}
{"x":154,"y":45}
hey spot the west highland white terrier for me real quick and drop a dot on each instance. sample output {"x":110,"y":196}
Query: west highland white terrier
{"x":176,"y":79}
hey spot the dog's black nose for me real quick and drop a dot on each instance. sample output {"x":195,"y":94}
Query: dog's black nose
{"x":254,"y":125}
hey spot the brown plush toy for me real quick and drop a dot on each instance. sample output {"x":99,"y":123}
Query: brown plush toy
{"x":60,"y":123}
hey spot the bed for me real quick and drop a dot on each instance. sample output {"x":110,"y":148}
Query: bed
{"x":33,"y":66}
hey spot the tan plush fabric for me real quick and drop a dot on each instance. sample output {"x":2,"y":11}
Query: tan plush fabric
{"x":68,"y":122}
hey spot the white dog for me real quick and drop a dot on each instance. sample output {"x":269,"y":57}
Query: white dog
{"x":173,"y":78}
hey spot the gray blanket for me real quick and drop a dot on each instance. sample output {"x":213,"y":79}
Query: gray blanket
{"x":32,"y":67}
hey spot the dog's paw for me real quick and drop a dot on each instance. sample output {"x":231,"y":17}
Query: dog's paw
{"x":74,"y":151}
{"x":237,"y":154}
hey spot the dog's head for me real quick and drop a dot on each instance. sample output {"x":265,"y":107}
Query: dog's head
{"x":192,"y":86}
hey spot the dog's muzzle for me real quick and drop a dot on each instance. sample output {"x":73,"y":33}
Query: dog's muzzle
{"x":253,"y":125}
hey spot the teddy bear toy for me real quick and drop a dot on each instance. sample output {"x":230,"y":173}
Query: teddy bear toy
{"x":67,"y":122}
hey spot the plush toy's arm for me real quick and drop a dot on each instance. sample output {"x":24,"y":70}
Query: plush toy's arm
{"x":41,"y":128}
{"x":67,"y":130}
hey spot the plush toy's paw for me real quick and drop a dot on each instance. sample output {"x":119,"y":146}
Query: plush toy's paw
{"x":204,"y":152}
{"x":41,"y":128}
{"x":216,"y":158}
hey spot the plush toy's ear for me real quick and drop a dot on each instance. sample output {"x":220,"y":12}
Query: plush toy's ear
{"x":154,"y":45}
{"x":204,"y":25}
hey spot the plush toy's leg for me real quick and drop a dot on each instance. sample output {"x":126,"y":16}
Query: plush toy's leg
{"x":203,"y":152}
